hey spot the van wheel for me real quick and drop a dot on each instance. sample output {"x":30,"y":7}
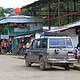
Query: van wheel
{"x":67,"y":67}
{"x":27,"y":62}
{"x":42,"y":64}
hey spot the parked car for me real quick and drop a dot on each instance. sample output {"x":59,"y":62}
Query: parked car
{"x":49,"y":51}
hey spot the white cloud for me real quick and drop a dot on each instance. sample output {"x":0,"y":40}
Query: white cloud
{"x":15,"y":3}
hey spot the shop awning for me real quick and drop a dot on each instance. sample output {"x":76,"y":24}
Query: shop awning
{"x":22,"y":36}
{"x":29,"y":32}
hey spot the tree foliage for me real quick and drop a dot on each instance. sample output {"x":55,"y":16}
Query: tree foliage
{"x":24,"y":11}
{"x":8,"y":10}
{"x":1,"y":12}
{"x":5,"y":11}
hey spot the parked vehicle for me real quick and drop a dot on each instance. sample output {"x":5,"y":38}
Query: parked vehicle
{"x":49,"y":51}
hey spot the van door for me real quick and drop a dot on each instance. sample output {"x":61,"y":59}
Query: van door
{"x":32,"y":51}
{"x":35,"y":50}
{"x":57,"y":48}
{"x":41,"y":48}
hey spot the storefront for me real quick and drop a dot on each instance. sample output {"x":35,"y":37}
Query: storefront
{"x":20,"y":27}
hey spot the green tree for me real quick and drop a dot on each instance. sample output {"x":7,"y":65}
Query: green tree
{"x":1,"y":12}
{"x":8,"y":10}
{"x":24,"y":11}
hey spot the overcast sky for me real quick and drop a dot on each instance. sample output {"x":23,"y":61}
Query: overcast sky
{"x":15,"y":3}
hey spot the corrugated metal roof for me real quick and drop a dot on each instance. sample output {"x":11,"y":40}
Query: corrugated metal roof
{"x":21,"y":19}
{"x":52,"y":34}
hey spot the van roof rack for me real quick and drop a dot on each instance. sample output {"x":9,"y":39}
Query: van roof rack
{"x":52,"y":34}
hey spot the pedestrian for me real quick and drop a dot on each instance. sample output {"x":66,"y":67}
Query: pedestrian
{"x":10,"y":47}
{"x":7,"y":46}
{"x":78,"y":52}
{"x":20,"y":49}
{"x":2,"y":47}
{"x":24,"y":46}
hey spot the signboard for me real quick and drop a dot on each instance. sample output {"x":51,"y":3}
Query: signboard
{"x":4,"y":36}
{"x":36,"y":26}
{"x":20,"y":29}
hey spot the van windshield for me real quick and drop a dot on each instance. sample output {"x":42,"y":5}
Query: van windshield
{"x":60,"y":43}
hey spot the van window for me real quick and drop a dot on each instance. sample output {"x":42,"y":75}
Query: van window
{"x":34,"y":44}
{"x":53,"y":43}
{"x":38,"y":44}
{"x":68,"y":43}
{"x":41,"y":44}
{"x":44,"y":43}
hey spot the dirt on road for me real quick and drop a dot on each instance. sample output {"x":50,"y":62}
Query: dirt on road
{"x":12,"y":68}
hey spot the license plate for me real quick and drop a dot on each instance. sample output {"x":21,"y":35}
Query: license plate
{"x":70,"y":54}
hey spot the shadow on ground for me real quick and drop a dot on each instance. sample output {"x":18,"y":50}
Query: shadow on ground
{"x":36,"y":67}
{"x":76,"y":68}
{"x":55,"y":68}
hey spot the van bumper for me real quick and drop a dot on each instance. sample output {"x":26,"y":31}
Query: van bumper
{"x":69,"y":61}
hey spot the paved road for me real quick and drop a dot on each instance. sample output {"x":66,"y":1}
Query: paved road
{"x":12,"y":68}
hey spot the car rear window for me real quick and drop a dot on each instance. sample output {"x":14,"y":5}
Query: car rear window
{"x":60,"y":42}
{"x":53,"y":43}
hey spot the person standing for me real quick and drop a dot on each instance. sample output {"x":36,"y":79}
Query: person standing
{"x":78,"y":52}
{"x":7,"y":46}
{"x":10,"y":47}
{"x":2,"y":47}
